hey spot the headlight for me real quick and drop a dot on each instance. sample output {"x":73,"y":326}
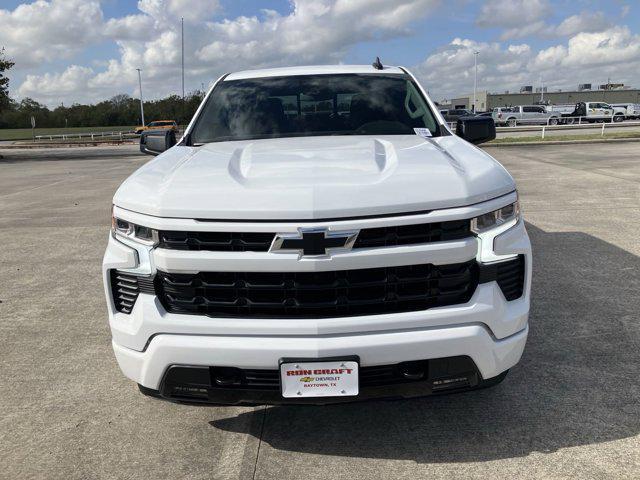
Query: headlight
{"x":138,"y":233}
{"x":488,"y":221}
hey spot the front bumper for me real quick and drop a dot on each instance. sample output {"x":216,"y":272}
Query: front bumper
{"x":488,"y":329}
{"x":490,"y":356}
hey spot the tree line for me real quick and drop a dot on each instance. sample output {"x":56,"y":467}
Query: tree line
{"x":120,"y":110}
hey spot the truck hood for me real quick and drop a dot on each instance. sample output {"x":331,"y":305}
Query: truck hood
{"x":314,"y":178}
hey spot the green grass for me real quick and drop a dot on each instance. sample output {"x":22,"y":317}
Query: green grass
{"x":25,"y":133}
{"x":555,"y":138}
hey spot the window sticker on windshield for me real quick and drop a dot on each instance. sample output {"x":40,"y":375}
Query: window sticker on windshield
{"x":422,"y":132}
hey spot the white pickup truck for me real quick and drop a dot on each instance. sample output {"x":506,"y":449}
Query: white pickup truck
{"x":318,"y":235}
{"x":594,"y":112}
{"x":631,"y":110}
{"x":524,"y":115}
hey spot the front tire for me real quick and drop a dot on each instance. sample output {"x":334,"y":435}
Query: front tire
{"x":512,"y":122}
{"x":553,"y":121}
{"x":618,"y":118}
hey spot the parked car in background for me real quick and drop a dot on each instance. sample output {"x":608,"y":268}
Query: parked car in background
{"x":454,"y":114}
{"x":631,"y":110}
{"x":595,"y":112}
{"x":525,"y":115}
{"x":158,"y":125}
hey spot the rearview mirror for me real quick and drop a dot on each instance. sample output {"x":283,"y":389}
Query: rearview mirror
{"x":476,"y":129}
{"x":154,"y":142}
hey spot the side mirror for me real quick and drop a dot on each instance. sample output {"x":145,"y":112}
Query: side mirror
{"x":476,"y":129}
{"x":154,"y":142}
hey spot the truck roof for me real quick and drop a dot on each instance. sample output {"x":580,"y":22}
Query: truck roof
{"x":312,"y":70}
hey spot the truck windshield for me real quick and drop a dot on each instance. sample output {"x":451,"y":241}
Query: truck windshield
{"x":293,"y":106}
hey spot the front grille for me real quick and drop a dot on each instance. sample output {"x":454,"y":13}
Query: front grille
{"x":125,"y":288}
{"x":413,"y":234}
{"x":367,"y":238}
{"x":318,"y":294}
{"x":216,"y":241}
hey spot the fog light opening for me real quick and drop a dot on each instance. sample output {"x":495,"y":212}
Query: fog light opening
{"x":414,"y":370}
{"x":226,"y":376}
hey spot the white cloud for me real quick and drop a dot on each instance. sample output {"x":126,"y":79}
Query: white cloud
{"x":527,"y":30}
{"x":166,"y":11}
{"x":315,"y":31}
{"x":585,"y":57}
{"x":497,"y":65}
{"x":131,"y":27}
{"x":583,"y":22}
{"x":56,"y":86}
{"x":512,"y":13}
{"x":610,"y":48}
{"x":586,"y":47}
{"x":42,"y":31}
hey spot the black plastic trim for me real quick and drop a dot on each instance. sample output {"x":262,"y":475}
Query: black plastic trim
{"x":194,"y":384}
{"x":387,"y":236}
{"x":508,"y":274}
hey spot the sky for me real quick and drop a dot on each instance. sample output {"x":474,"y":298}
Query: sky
{"x":85,"y":51}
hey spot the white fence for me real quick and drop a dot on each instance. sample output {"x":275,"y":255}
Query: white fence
{"x":574,"y":123}
{"x":92,"y":135}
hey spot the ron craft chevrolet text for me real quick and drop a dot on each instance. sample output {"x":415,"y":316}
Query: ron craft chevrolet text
{"x":318,"y":234}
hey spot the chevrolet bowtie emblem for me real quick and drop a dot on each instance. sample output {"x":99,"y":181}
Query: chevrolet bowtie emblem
{"x":313,"y":242}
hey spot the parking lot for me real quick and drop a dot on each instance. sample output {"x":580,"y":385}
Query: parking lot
{"x":570,"y":409}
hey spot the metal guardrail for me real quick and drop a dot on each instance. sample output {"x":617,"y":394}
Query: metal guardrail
{"x":92,"y":135}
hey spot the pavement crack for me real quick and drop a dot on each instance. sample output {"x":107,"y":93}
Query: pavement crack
{"x":264,"y":419}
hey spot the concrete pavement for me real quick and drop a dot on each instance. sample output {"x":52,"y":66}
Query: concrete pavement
{"x":569,"y":410}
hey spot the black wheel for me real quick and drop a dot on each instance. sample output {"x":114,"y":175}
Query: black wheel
{"x":493,"y":381}
{"x":149,"y":392}
{"x":512,"y":122}
{"x":553,"y":121}
{"x":618,"y":118}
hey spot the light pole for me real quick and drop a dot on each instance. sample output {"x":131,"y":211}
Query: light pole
{"x":475,"y":78}
{"x":541,"y":90}
{"x":182,"y":34}
{"x":141,"y":104}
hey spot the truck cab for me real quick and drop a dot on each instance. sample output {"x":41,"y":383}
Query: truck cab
{"x":524,"y":115}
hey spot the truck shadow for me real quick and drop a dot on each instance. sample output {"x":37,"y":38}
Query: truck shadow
{"x":577,"y":383}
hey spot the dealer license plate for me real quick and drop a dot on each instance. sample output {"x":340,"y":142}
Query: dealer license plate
{"x":319,"y":379}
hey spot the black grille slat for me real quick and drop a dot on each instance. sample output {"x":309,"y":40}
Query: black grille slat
{"x":367,"y":238}
{"x":413,"y":234}
{"x":510,"y":277}
{"x":126,"y":287}
{"x":216,"y":241}
{"x":508,"y":274}
{"x":318,"y":294}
